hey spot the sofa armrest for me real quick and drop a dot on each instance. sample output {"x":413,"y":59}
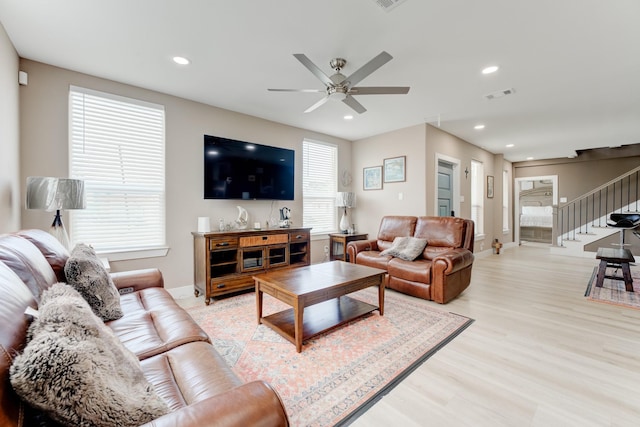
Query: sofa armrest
{"x":136,"y":280}
{"x":252,"y":404}
{"x":357,"y":246}
{"x":451,"y":261}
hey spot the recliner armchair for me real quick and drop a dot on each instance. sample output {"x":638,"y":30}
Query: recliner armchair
{"x":440,"y":273}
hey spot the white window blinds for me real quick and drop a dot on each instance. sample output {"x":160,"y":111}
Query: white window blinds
{"x":117,"y":146}
{"x":477,"y":196}
{"x":505,"y":200}
{"x":319,"y":186}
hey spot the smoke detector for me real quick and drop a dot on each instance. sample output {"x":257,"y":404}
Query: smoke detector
{"x":500,"y":93}
{"x":388,"y":5}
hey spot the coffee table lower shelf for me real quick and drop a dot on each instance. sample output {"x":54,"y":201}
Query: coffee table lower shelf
{"x":318,"y":318}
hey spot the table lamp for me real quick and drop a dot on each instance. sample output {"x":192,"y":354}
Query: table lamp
{"x":346,"y":200}
{"x":50,"y":194}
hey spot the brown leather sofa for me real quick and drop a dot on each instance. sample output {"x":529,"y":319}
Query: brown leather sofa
{"x":440,"y":273}
{"x":175,"y":354}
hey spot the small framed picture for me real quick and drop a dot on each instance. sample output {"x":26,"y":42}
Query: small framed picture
{"x":372,"y":178}
{"x":394,"y":169}
{"x":490,"y":186}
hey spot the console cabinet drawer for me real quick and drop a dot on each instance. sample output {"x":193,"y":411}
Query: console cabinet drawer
{"x":223,"y":285}
{"x":268,"y":239}
{"x":299,"y":236}
{"x":223,"y":243}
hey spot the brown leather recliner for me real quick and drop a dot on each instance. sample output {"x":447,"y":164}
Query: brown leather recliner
{"x":440,"y":273}
{"x":175,"y":354}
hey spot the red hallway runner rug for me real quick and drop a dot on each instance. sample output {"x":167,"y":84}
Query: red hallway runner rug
{"x":613,"y":291}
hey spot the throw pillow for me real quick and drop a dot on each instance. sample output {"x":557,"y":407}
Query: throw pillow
{"x":85,"y":272}
{"x":407,"y":248}
{"x":77,"y":371}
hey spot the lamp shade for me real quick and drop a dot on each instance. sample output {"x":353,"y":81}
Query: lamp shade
{"x":346,"y":200}
{"x":70,"y":194}
{"x":41,"y":192}
{"x":51,"y":194}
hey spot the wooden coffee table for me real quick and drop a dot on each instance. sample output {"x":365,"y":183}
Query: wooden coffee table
{"x":317,"y":295}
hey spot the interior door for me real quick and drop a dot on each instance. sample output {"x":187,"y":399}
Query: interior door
{"x":445,"y":189}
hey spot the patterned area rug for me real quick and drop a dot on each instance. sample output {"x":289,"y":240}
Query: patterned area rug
{"x":339,"y":374}
{"x":613,"y":291}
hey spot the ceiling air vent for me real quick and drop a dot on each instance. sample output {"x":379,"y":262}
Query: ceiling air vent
{"x":500,"y":93}
{"x":388,"y":5}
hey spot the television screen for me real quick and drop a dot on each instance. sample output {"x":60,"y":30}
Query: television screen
{"x":244,"y":170}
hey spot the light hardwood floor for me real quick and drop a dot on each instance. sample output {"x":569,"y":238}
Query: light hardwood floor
{"x":538,"y":354}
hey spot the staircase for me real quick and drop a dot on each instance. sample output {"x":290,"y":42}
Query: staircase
{"x":584,"y":220}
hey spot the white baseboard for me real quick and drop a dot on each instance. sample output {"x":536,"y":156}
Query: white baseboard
{"x":181,"y":292}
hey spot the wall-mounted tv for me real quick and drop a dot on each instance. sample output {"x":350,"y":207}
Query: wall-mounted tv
{"x":248,"y":171}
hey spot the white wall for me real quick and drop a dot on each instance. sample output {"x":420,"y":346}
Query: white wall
{"x":44,"y":144}
{"x":9,"y":136}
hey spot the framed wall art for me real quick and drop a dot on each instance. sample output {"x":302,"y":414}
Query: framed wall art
{"x":372,"y":178}
{"x":394,"y":169}
{"x":490,"y":186}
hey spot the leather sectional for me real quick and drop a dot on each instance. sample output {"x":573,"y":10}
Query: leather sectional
{"x":440,"y":273}
{"x":175,"y":354}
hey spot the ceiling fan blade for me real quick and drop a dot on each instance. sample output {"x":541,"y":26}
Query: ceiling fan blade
{"x":298,"y":90}
{"x":317,"y":104}
{"x":368,"y":68}
{"x":382,"y":90}
{"x":351,"y":102}
{"x":313,"y":68}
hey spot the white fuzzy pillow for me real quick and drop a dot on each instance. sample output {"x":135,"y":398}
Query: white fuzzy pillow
{"x":85,"y":272}
{"x":406,"y":248}
{"x":77,"y":371}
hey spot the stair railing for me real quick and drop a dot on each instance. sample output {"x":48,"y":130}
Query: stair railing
{"x":593,"y":208}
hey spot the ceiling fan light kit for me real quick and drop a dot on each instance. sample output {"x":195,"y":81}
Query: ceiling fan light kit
{"x":342,"y":88}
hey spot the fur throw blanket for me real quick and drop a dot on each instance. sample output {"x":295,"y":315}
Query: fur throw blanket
{"x":77,"y":371}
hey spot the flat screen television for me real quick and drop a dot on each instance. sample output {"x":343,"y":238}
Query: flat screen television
{"x":247,"y":171}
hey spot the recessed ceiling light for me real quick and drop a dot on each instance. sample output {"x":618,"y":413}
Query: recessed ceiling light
{"x":348,"y":117}
{"x":491,"y":69}
{"x":529,"y":158}
{"x":478,"y":127}
{"x":509,"y":145}
{"x":181,"y":60}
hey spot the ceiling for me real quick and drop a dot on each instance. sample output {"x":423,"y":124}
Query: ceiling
{"x":574,"y":64}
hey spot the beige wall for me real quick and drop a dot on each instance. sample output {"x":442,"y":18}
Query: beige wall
{"x":421,"y":144}
{"x":575,"y":176}
{"x":44,"y":151}
{"x":443,"y":143}
{"x":9,"y":136}
{"x":372,"y":205}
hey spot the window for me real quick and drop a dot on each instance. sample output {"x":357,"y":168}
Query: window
{"x":505,"y":201}
{"x":319,"y":186}
{"x":477,"y":196}
{"x":117,"y":146}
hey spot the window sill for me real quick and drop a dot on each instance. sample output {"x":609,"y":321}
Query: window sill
{"x":319,"y":236}
{"x":134,"y":254}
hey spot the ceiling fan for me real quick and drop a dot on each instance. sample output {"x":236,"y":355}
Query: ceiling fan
{"x":341,"y":87}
